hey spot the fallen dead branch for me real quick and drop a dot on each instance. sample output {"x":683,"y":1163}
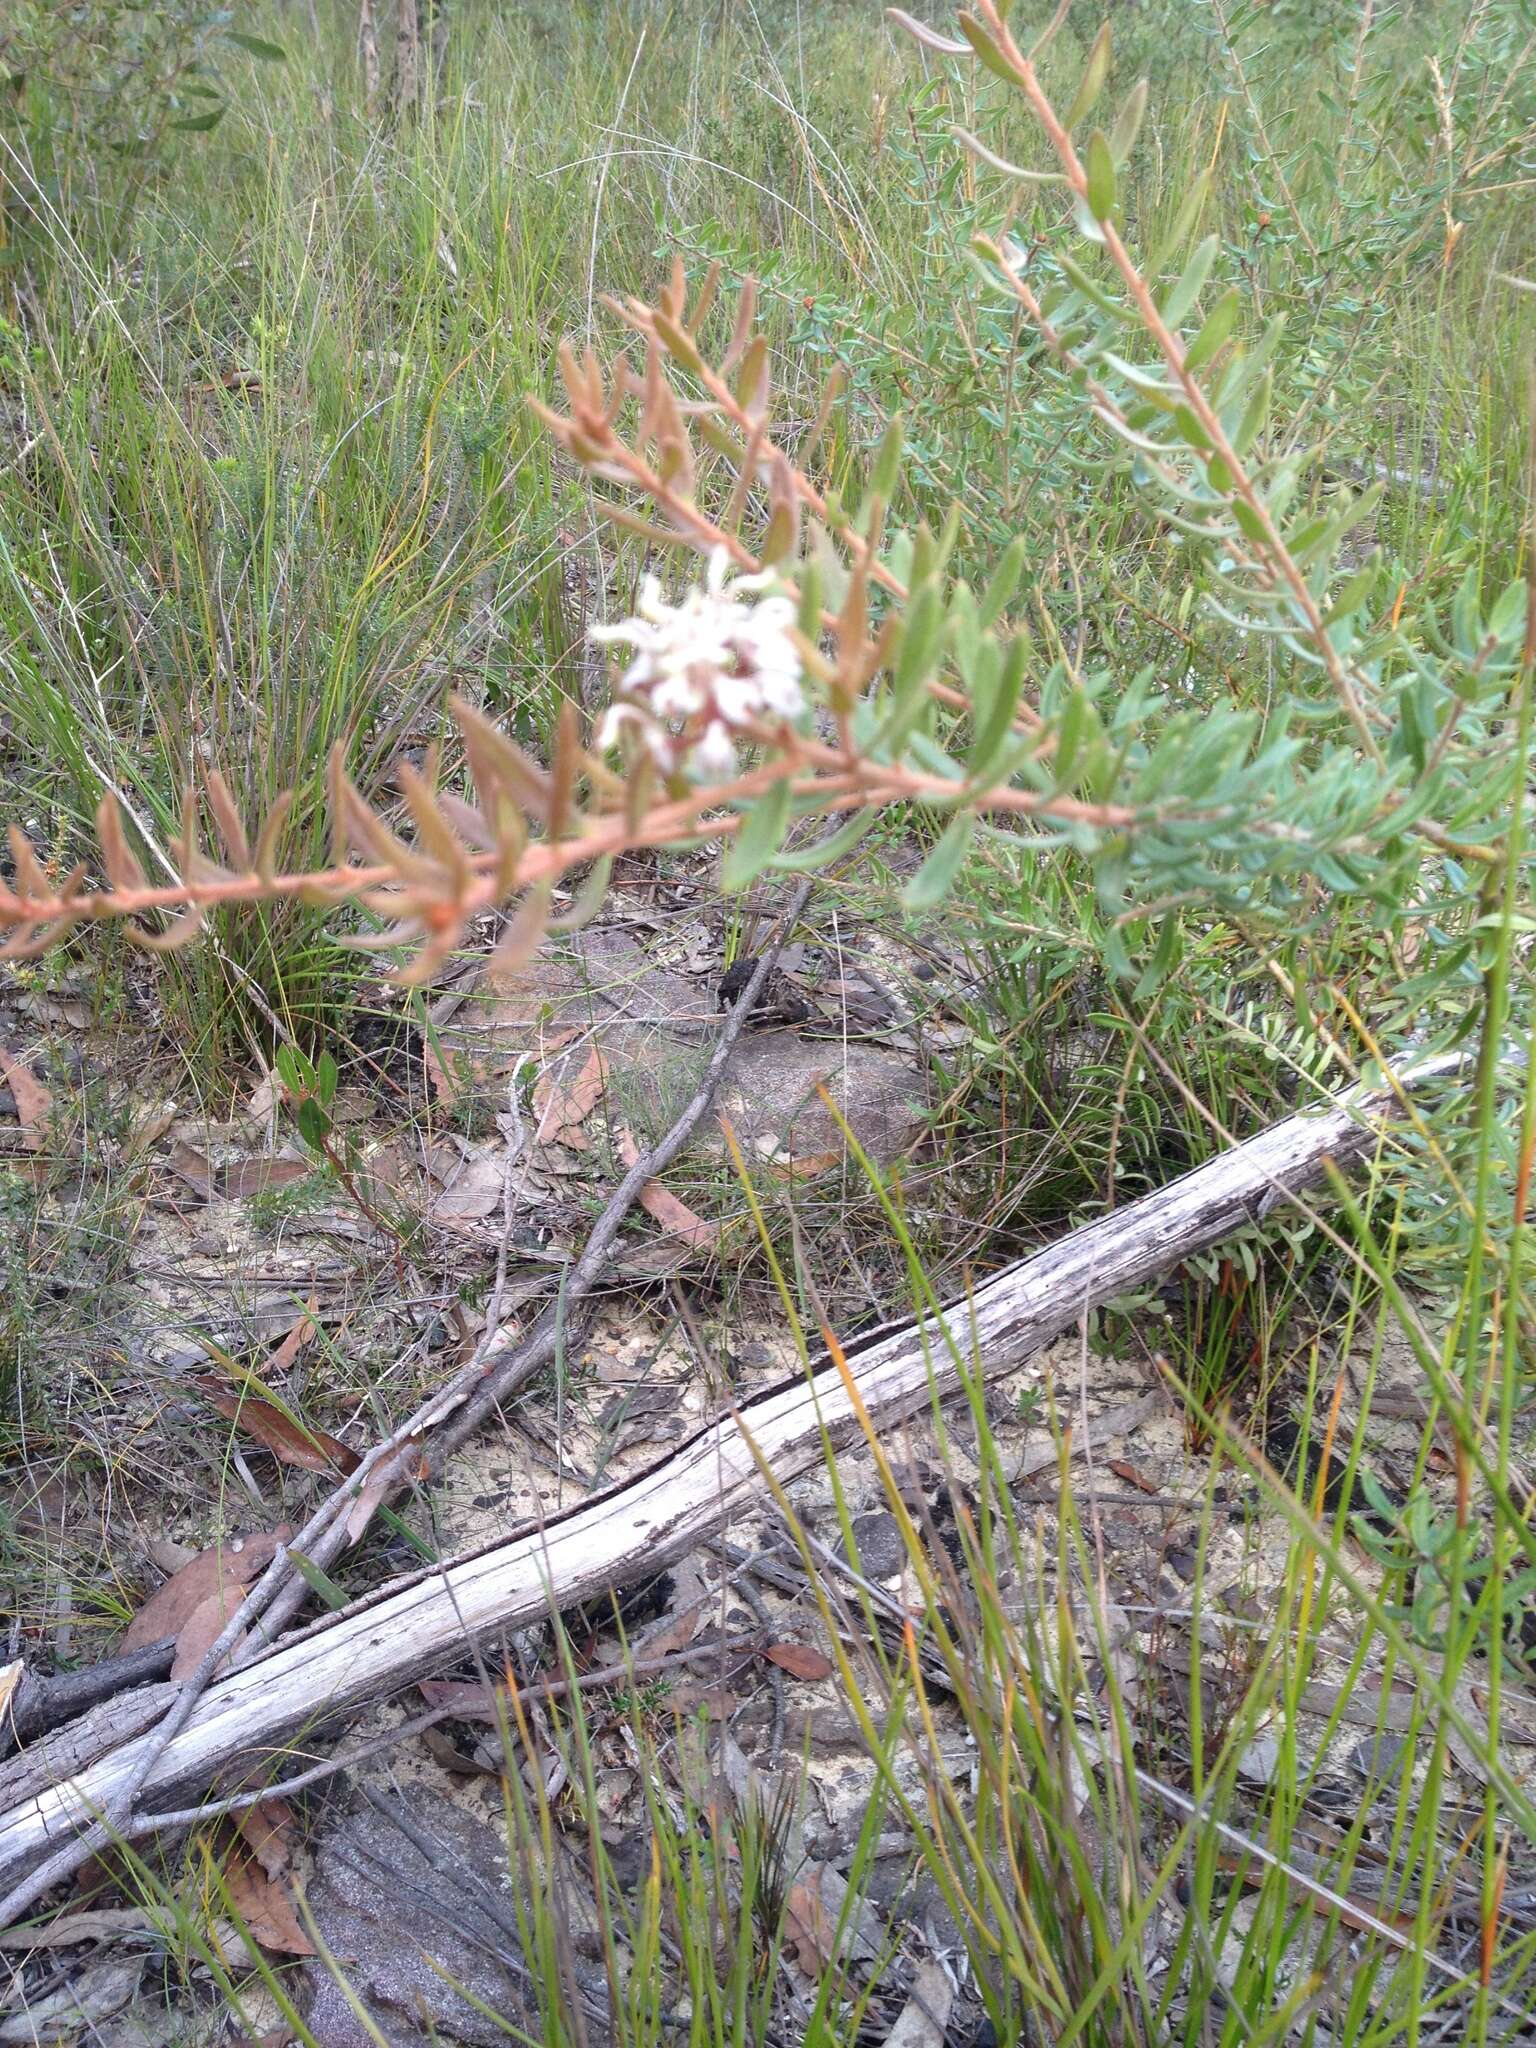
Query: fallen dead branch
{"x":495,"y":1372}
{"x":238,"y":1729}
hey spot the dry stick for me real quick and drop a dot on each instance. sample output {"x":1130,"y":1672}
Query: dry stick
{"x":744,"y":1646}
{"x":279,"y":1591}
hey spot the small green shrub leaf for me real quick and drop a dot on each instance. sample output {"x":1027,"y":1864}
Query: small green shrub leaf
{"x":1179,"y":301}
{"x":986,"y":49}
{"x":1122,"y":137}
{"x":1217,"y":329}
{"x":843,"y":840}
{"x":761,"y":835}
{"x":935,"y":878}
{"x":1100,"y":166}
{"x":1095,"y":72}
{"x":921,"y":641}
{"x":257,"y":46}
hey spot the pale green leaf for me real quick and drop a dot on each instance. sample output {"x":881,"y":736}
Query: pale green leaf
{"x":935,"y":878}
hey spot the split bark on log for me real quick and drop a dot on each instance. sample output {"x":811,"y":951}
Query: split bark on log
{"x":44,"y":1703}
{"x":243,"y":1725}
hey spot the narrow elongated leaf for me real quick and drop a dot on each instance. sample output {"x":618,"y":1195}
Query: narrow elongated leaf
{"x":759,"y":839}
{"x":935,"y":878}
{"x":887,"y":470}
{"x":993,"y":161}
{"x":1094,"y":293}
{"x":1218,"y":327}
{"x":1184,"y":223}
{"x":1122,"y":137}
{"x":1254,"y":414}
{"x":920,"y":645}
{"x":1100,"y":166}
{"x":1094,"y":74}
{"x":257,"y":46}
{"x":843,"y":840}
{"x":998,"y":594}
{"x":1180,"y":299}
{"x":985,"y":48}
{"x":320,"y":1583}
{"x":993,"y":720}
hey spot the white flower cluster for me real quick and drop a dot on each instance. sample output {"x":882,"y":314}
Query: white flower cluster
{"x":705,"y":672}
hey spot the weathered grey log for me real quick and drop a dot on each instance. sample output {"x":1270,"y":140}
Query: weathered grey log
{"x":365,"y":1652}
{"x":63,"y":1753}
{"x":44,"y":1703}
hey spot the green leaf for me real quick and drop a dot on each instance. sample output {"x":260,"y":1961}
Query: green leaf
{"x":1094,"y":74}
{"x":1100,"y":166}
{"x":199,"y":124}
{"x":1176,"y":304}
{"x":321,"y":1584}
{"x":1255,"y":413}
{"x":1250,"y":523}
{"x":1095,"y":294}
{"x":1070,"y":732}
{"x":887,"y":470}
{"x":1218,"y":327}
{"x":921,"y":641}
{"x":1353,"y":595}
{"x":1184,"y":223}
{"x":313,"y":1123}
{"x":998,"y":594}
{"x":986,"y":49}
{"x":843,"y":840}
{"x":1122,"y":137}
{"x":257,"y":46}
{"x":993,"y":720}
{"x":590,"y":898}
{"x":934,"y":879}
{"x":293,"y":1070}
{"x":759,"y":839}
{"x":1170,"y":951}
{"x":809,"y":617}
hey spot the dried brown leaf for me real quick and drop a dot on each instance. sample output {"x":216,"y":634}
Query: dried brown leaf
{"x":238,"y":1181}
{"x":34,"y":1104}
{"x":562,"y":1105}
{"x":446,"y":1085}
{"x":1122,"y":1469}
{"x":204,"y":1625}
{"x":385,"y":1478}
{"x":98,"y":1923}
{"x":298,"y":1339}
{"x":810,"y":1924}
{"x":799,"y":1660}
{"x":290,"y":1441}
{"x":474,"y":1192}
{"x":241,"y":1561}
{"x":190,"y":1165}
{"x":466,"y":1701}
{"x":268,"y":1830}
{"x":264,"y":1907}
{"x":667,"y":1209}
